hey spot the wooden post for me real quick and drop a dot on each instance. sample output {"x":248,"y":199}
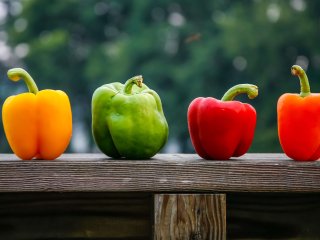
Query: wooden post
{"x":190,"y":216}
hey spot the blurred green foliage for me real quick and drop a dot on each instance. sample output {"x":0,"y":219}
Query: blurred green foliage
{"x":183,"y":48}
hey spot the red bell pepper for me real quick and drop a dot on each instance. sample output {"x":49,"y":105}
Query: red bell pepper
{"x":299,"y":121}
{"x":221,"y":129}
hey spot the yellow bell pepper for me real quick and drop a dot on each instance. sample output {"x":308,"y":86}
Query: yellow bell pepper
{"x":37,"y":124}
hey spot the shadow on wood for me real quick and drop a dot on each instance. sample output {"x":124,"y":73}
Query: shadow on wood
{"x":273,"y":215}
{"x":41,"y":216}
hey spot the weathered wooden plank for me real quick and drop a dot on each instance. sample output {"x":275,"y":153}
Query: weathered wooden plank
{"x":108,"y":216}
{"x":25,"y":216}
{"x":190,"y":216}
{"x":163,"y":173}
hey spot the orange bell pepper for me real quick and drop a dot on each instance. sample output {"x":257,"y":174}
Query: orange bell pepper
{"x":37,"y":124}
{"x":299,"y":121}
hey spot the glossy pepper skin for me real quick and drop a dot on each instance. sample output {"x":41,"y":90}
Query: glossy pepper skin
{"x":221,"y":129}
{"x":128,"y":120}
{"x":299,"y":121}
{"x":37,"y":124}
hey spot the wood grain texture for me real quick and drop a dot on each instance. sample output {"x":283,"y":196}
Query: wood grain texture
{"x":190,"y":216}
{"x":163,"y":173}
{"x":44,"y":216}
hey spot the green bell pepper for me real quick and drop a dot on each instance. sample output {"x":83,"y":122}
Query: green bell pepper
{"x":128,"y":120}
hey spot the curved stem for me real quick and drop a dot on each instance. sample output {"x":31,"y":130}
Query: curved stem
{"x":250,"y":89}
{"x":15,"y":74}
{"x":137,"y":80}
{"x":304,"y":82}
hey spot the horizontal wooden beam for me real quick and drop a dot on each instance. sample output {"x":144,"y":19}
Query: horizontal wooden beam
{"x":163,"y":173}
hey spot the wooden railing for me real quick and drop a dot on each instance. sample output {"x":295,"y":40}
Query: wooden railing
{"x":171,"y":196}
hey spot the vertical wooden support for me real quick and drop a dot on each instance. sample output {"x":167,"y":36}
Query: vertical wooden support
{"x":189,"y":216}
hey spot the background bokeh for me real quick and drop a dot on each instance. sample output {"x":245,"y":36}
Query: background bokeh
{"x":183,"y":48}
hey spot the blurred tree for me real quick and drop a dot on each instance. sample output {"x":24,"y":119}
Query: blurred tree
{"x":184,"y":49}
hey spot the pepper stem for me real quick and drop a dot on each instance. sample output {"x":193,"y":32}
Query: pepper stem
{"x":249,"y":89}
{"x":15,"y":74}
{"x":136,"y":80}
{"x":304,"y":82}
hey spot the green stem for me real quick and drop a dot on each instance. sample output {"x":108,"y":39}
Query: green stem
{"x":137,"y":80}
{"x":249,"y":89}
{"x":304,"y":82}
{"x":15,"y":74}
